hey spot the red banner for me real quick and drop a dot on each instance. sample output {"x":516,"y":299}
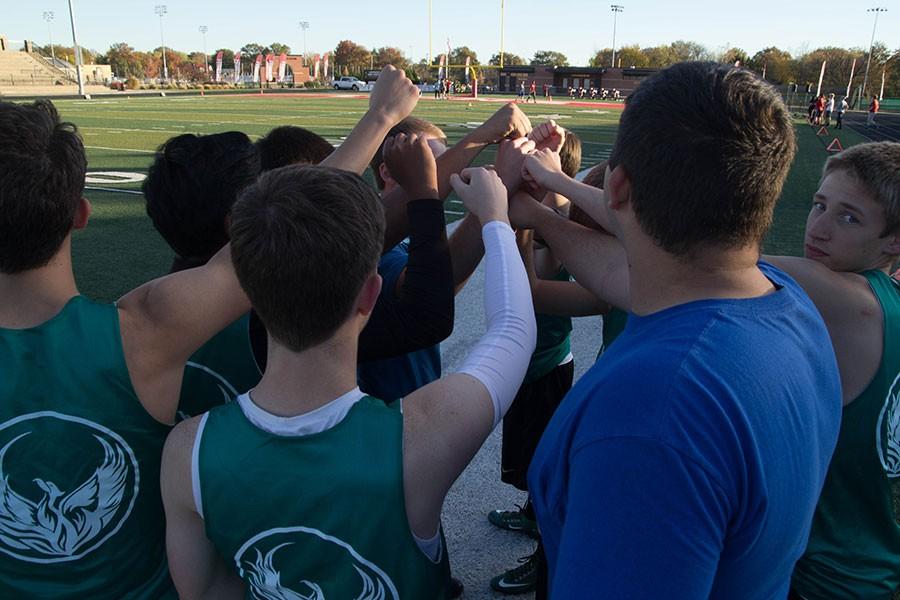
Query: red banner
{"x":282,"y":66}
{"x":256,"y":68}
{"x":218,"y":66}
{"x":237,"y":66}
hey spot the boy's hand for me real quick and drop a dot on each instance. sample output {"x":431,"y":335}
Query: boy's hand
{"x":394,"y":96}
{"x":510,"y":159}
{"x":411,"y":163}
{"x":549,"y":136}
{"x":542,"y":167}
{"x":508,"y":122}
{"x":482,"y":193}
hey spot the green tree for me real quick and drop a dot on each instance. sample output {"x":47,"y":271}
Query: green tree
{"x":684,"y":51}
{"x":735,"y":55}
{"x":659,"y":57}
{"x":389,"y":56}
{"x":458,"y":56}
{"x":351,"y":57}
{"x":549,"y":58}
{"x":778,"y":64}
{"x":277,"y":48}
{"x":122,"y":59}
{"x":249,"y":52}
{"x":509,"y":60}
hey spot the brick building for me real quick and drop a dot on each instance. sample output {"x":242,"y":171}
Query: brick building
{"x":560,"y":78}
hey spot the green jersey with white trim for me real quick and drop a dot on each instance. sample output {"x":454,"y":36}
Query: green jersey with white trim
{"x":315,"y":515}
{"x":80,"y":508}
{"x":221,"y":370}
{"x":854,"y":544}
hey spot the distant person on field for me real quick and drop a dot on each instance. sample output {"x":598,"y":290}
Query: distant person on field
{"x":532,"y":93}
{"x":829,"y":108}
{"x":874,"y":105}
{"x":521,"y":91}
{"x":842,"y":108}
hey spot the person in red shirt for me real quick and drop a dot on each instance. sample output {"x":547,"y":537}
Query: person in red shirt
{"x":820,"y":108}
{"x":873,"y":108}
{"x":532,"y":95}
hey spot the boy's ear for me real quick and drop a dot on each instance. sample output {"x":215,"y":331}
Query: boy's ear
{"x":893,"y":245}
{"x":82,"y":214}
{"x":385,"y":174}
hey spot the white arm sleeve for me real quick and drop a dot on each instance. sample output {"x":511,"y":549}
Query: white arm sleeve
{"x":500,"y":358}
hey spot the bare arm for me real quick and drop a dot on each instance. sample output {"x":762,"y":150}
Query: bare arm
{"x":466,"y":250}
{"x":560,"y":298}
{"x":852,"y":315}
{"x":197,"y":568}
{"x":596,"y":260}
{"x":543,"y":167}
{"x":509,"y":121}
{"x":165,"y":321}
{"x":393,"y":98}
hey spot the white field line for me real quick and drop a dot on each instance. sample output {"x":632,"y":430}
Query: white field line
{"x":121,"y":149}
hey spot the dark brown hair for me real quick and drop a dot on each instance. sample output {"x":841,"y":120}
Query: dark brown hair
{"x":707,"y":148}
{"x":409,"y":125}
{"x":570,"y":154}
{"x":303,"y":241}
{"x":42,"y":168}
{"x":291,"y":145}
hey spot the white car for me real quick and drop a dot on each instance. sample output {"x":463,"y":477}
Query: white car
{"x":351,"y":83}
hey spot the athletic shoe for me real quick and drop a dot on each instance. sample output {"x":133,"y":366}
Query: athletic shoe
{"x":513,"y":520}
{"x":520,"y":579}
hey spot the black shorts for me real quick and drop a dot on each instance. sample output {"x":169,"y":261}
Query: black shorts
{"x":526,"y":420}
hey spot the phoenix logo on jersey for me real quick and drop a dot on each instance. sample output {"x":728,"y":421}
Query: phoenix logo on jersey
{"x":887,"y":434}
{"x":66,"y":486}
{"x":301,"y":563}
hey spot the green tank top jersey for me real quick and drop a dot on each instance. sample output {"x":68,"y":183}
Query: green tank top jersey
{"x":80,"y":508}
{"x":219,"y":371}
{"x":553,"y":341}
{"x":613,"y":325}
{"x":314,"y":516}
{"x":854,"y":545}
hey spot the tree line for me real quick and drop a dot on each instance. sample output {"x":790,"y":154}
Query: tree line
{"x":350,"y":58}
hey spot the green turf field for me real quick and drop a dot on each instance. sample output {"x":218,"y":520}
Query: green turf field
{"x":120,"y":249}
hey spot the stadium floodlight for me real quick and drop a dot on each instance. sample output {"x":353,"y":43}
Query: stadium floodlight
{"x":161,"y":10}
{"x":304,"y":25}
{"x":203,"y":29}
{"x":616,"y":9}
{"x":48,"y":16}
{"x":877,"y":10}
{"x":77,"y":50}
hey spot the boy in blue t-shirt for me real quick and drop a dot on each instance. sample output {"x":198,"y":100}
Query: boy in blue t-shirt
{"x":688,"y":461}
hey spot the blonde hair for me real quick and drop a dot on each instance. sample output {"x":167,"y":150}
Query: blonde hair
{"x":876,"y":166}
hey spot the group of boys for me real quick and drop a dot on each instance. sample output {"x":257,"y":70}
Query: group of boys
{"x":738,"y":438}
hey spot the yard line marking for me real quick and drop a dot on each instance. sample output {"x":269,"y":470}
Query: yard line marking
{"x":106,"y":189}
{"x":120,"y":149}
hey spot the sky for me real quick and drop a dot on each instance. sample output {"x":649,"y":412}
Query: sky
{"x":574,"y":27}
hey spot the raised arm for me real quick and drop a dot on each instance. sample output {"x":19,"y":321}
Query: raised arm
{"x":596,"y":260}
{"x":559,"y":298}
{"x":165,"y":321}
{"x":508,"y":122}
{"x":543,"y":168}
{"x":197,"y":568}
{"x":393,"y":98}
{"x":419,"y":312}
{"x":446,"y":422}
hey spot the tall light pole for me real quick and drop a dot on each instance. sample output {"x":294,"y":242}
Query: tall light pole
{"x":48,"y":16}
{"x":616,"y":9}
{"x":203,"y":29}
{"x":162,"y":10}
{"x":304,"y":25}
{"x":430,"y":58}
{"x":502,"y":20}
{"x":876,"y":10}
{"x":77,"y":50}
